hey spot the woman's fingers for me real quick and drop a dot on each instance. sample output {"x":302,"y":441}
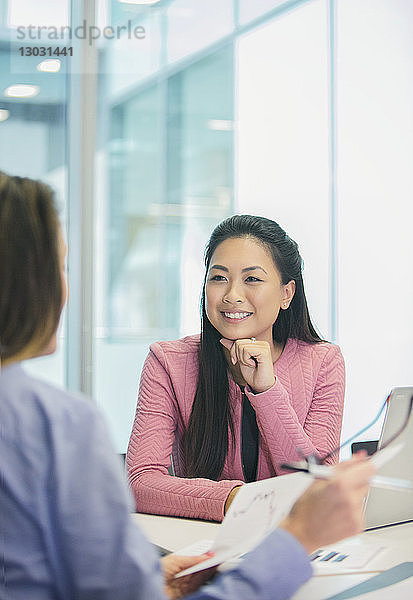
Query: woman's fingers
{"x":227,"y":343}
{"x":251,"y":353}
{"x":330,"y":510}
{"x":230,"y":345}
{"x":244,"y":350}
{"x":255,"y":362}
{"x":359,"y":457}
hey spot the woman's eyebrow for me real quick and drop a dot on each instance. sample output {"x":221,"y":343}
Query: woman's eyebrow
{"x":253,"y":268}
{"x":222,"y":268}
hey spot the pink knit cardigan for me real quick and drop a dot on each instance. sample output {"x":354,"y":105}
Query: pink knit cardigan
{"x":302,"y":410}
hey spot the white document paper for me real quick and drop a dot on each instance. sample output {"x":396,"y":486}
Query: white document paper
{"x":349,"y":556}
{"x":258,"y":508}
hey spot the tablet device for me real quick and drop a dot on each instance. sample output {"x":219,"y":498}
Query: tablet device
{"x":384,"y":506}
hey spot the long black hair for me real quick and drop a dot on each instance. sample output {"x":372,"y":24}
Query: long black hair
{"x":206,"y":441}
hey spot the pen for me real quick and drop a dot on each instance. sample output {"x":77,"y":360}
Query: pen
{"x":391,"y":483}
{"x":325,"y":472}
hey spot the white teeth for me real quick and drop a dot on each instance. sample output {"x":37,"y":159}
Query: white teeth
{"x":237,"y":315}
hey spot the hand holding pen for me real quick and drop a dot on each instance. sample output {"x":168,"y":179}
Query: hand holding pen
{"x":331,"y":509}
{"x":318,"y":471}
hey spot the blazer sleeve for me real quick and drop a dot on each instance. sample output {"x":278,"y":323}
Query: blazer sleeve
{"x":273,"y":570}
{"x":149,"y":453}
{"x":319,"y":433}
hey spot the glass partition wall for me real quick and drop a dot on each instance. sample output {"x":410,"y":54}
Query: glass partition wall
{"x":168,"y":174}
{"x":33,"y":118}
{"x":298,"y":110}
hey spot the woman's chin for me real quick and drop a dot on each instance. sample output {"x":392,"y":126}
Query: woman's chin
{"x":235,"y":333}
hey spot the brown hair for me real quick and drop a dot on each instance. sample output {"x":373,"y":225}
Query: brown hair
{"x":30,"y":278}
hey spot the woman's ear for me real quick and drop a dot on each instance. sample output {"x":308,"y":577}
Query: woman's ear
{"x":287,"y":294}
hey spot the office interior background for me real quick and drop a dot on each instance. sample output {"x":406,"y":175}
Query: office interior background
{"x":300,"y":111}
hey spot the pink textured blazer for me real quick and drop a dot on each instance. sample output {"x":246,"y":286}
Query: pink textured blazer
{"x":302,"y":410}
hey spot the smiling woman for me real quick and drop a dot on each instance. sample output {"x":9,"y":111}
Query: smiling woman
{"x":257,"y":387}
{"x":242,"y":301}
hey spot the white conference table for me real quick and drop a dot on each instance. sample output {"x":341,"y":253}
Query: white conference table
{"x":176,"y":533}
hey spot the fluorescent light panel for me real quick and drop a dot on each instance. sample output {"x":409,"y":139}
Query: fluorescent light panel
{"x":138,"y":1}
{"x":4,"y":114}
{"x":221,"y":125}
{"x":22,"y":90}
{"x":51,"y":65}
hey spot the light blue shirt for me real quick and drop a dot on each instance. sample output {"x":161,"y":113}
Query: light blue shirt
{"x":65,"y":528}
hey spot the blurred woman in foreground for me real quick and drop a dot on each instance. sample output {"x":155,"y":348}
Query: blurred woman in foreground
{"x":65,"y":526}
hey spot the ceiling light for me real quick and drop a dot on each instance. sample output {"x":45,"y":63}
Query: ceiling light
{"x":22,"y":90}
{"x":221,"y":125}
{"x":138,"y":1}
{"x":4,"y":114}
{"x":51,"y":65}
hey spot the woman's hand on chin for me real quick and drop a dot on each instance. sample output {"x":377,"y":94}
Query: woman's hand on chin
{"x":255,"y":362}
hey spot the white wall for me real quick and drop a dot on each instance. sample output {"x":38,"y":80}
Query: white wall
{"x":283,"y":173}
{"x":282,"y":138}
{"x":375,"y":193}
